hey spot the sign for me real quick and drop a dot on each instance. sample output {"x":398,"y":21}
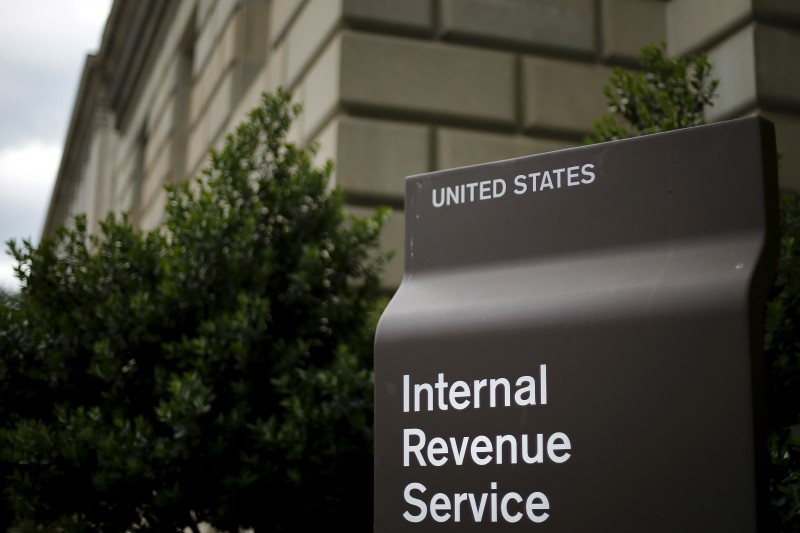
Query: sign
{"x":575,"y":345}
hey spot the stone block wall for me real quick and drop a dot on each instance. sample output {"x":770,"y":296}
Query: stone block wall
{"x":754,"y":46}
{"x":393,"y":88}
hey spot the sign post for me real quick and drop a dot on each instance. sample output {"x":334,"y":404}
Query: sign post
{"x":576,"y":342}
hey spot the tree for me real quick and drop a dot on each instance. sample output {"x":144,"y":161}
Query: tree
{"x":667,"y":94}
{"x":217,"y":369}
{"x":673,"y":93}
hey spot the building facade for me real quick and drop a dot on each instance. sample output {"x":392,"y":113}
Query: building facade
{"x":392,"y":88}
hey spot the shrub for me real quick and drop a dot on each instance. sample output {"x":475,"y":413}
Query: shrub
{"x":216,"y":369}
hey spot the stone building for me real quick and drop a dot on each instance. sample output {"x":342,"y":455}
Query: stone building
{"x":393,"y":88}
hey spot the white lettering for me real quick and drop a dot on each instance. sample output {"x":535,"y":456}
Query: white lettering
{"x":483,"y":450}
{"x":481,"y":445}
{"x":558,"y":173}
{"x":440,"y":502}
{"x":437,"y":448}
{"x":494,"y":384}
{"x":441,"y":394}
{"x":440,"y":202}
{"x":494,"y":501}
{"x":519,"y":182}
{"x":458,"y":390}
{"x":533,"y":176}
{"x":477,"y":512}
{"x":557,"y":442}
{"x":423,"y":509}
{"x":452,"y":195}
{"x":485,"y":190}
{"x":547,"y":181}
{"x":471,"y":187}
{"x":418,"y":390}
{"x":572,"y":174}
{"x":458,"y":454}
{"x":537,"y":502}
{"x":491,"y":189}
{"x":479,"y":384}
{"x":539,"y":456}
{"x":441,"y":386}
{"x":588,"y":173}
{"x":508,"y":517}
{"x":526,"y":391}
{"x":406,"y":386}
{"x":442,"y":508}
{"x":511,"y":440}
{"x":498,"y":188}
{"x":543,"y":383}
{"x":408,"y":448}
{"x":460,"y":498}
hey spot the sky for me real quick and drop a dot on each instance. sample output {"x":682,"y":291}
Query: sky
{"x":43,"y":47}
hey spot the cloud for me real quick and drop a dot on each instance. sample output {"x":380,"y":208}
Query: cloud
{"x":26,"y":179}
{"x":43,"y":46}
{"x":63,"y":29}
{"x":27,"y":175}
{"x":7,"y":280}
{"x":30,"y":108}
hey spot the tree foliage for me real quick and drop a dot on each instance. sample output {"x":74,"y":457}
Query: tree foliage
{"x":216,"y":369}
{"x":673,"y":93}
{"x":782,"y":351}
{"x":666,"y":94}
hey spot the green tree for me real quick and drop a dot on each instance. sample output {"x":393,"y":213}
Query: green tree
{"x":672,"y":93}
{"x":666,"y":94}
{"x":217,"y":369}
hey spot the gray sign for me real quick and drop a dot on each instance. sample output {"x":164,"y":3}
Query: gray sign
{"x":575,"y":345}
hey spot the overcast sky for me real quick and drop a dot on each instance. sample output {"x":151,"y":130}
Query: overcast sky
{"x":43,"y":46}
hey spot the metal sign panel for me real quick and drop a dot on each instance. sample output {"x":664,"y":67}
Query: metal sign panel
{"x":575,"y":345}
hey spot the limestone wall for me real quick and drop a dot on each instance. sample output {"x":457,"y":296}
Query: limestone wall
{"x":393,"y":88}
